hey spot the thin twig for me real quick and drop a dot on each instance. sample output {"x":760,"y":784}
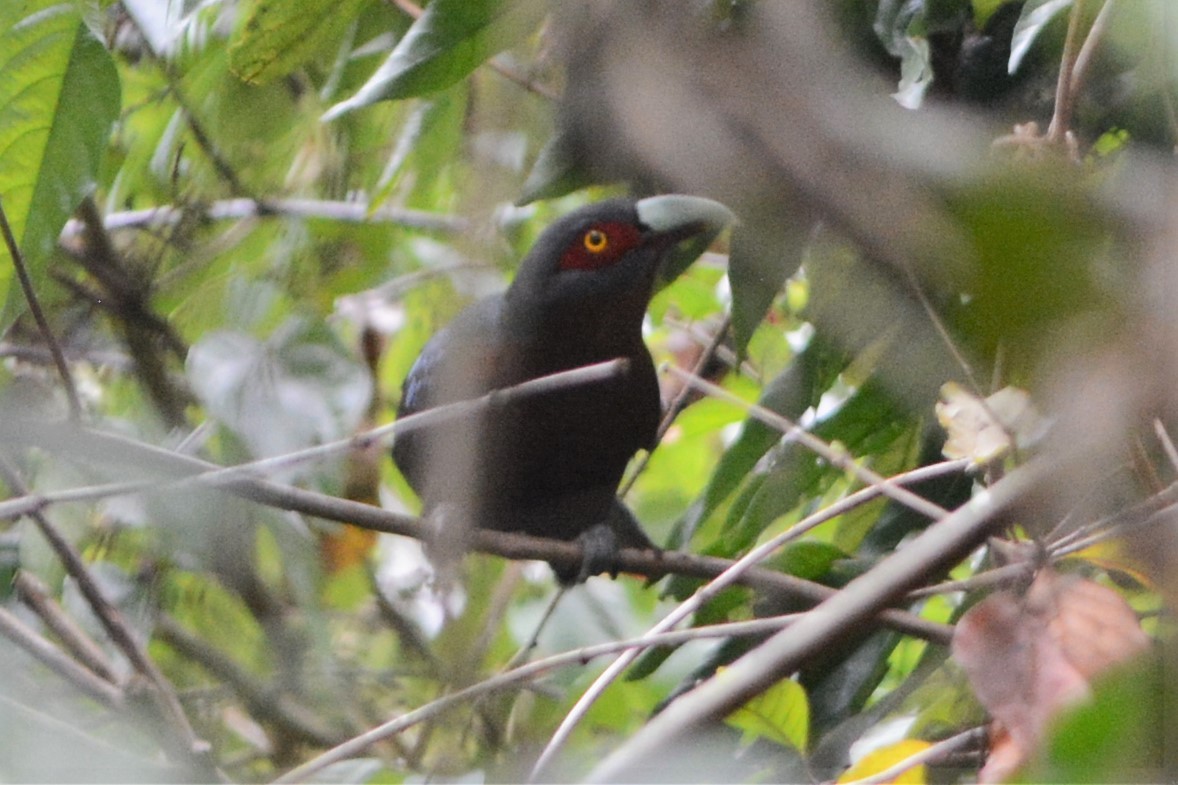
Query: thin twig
{"x":112,"y":621}
{"x":53,"y":658}
{"x":526,"y":673}
{"x":983,"y":580}
{"x":242,"y":208}
{"x":1167,"y":443}
{"x":41,"y":356}
{"x":932,"y":753}
{"x":1084,"y":58}
{"x":1166,"y":516}
{"x":710,"y":590}
{"x":203,"y":140}
{"x":1141,"y":514}
{"x":834,"y":456}
{"x":1061,"y":118}
{"x":36,"y":595}
{"x":678,"y":403}
{"x":947,"y":339}
{"x":26,"y":285}
{"x":525,"y":650}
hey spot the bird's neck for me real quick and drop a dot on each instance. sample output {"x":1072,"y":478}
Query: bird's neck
{"x":577,"y":336}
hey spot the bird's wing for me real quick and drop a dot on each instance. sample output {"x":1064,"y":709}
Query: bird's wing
{"x":458,"y":363}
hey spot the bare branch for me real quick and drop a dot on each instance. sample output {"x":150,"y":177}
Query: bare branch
{"x":1061,"y":118}
{"x":50,"y":656}
{"x":842,"y":615}
{"x":241,"y":208}
{"x":36,"y":596}
{"x":836,"y":457}
{"x":113,"y":622}
{"x":26,"y":284}
{"x":525,"y":673}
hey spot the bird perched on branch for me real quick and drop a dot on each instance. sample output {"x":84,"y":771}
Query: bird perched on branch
{"x":549,"y":464}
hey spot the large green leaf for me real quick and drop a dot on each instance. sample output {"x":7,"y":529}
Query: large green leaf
{"x":449,"y":41}
{"x":298,"y":388}
{"x":764,"y":254}
{"x":780,"y":714}
{"x":790,"y":394}
{"x":278,"y":36}
{"x":59,"y":95}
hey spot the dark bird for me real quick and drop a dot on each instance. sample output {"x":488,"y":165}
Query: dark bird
{"x":549,"y":464}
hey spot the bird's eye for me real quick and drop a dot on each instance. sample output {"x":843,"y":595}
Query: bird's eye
{"x":596,"y":241}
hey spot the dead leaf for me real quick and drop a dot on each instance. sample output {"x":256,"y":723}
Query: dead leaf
{"x":985,"y":431}
{"x":1027,"y":658}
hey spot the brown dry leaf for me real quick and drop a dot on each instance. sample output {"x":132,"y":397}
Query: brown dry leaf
{"x":1093,"y":625}
{"x":1029,"y":657}
{"x":346,"y":546}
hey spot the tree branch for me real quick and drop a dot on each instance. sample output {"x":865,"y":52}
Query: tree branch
{"x":192,"y":747}
{"x":264,"y":702}
{"x":53,"y":658}
{"x":83,"y":444}
{"x":241,"y":208}
{"x":843,"y":614}
{"x":36,"y":595}
{"x":26,"y":284}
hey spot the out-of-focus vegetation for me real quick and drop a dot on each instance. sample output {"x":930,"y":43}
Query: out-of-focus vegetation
{"x":240,"y":220}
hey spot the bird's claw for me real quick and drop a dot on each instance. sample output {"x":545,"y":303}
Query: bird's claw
{"x":599,"y":553}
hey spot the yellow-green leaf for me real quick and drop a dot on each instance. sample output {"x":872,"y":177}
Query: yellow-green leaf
{"x":780,"y":714}
{"x":884,"y":758}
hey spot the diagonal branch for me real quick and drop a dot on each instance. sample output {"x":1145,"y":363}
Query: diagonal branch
{"x":87,"y":445}
{"x":115,"y":625}
{"x":835,"y":619}
{"x":26,"y":284}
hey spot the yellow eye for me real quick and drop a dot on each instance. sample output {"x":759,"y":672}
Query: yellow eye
{"x":596,"y":241}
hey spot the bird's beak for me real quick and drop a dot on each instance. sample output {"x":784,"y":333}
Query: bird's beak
{"x":689,"y":223}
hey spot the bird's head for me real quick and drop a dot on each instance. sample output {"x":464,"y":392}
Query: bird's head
{"x":603,"y":258}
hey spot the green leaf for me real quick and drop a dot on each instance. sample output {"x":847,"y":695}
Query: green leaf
{"x":763,"y":256}
{"x":806,"y":559}
{"x":59,"y":95}
{"x":1043,"y":248}
{"x":780,"y":714}
{"x":1036,"y":15}
{"x":279,"y":36}
{"x":790,"y":394}
{"x":298,"y":388}
{"x":1123,"y":734}
{"x":555,"y":173}
{"x":865,"y":424}
{"x":451,"y":39}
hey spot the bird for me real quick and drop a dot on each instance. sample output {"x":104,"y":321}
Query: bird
{"x":549,"y":464}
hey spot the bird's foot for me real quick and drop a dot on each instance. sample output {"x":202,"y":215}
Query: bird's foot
{"x":599,"y":553}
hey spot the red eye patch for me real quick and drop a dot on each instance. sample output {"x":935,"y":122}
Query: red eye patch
{"x":600,"y":246}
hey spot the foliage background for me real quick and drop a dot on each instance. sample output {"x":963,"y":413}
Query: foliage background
{"x":242,"y":220}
